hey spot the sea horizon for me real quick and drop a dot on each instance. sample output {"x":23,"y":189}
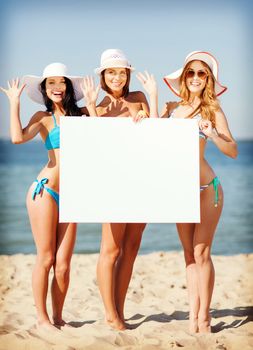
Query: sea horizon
{"x":20,"y":164}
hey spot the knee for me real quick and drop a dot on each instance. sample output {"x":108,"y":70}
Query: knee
{"x":131,"y":247}
{"x":110,"y":255}
{"x":62,"y":269}
{"x":46,"y":260}
{"x":189,"y":257}
{"x":202,"y":255}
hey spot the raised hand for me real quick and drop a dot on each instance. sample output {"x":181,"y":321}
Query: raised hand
{"x":14,"y":90}
{"x":148,"y":82}
{"x":89,"y":90}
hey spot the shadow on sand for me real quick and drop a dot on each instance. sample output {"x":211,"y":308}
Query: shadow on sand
{"x":245,"y":313}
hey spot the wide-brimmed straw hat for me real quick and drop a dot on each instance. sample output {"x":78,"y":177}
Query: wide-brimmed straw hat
{"x":173,"y":80}
{"x":52,"y":70}
{"x":113,"y":58}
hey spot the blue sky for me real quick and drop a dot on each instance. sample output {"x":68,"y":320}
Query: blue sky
{"x":155,"y":36}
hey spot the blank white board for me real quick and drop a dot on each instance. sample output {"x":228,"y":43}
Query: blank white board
{"x":115,"y":170}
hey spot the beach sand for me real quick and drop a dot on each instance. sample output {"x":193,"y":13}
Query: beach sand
{"x":156,"y":307}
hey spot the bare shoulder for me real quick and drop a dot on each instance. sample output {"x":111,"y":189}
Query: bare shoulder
{"x":136,"y":96}
{"x":220,"y":117}
{"x":219,"y":113}
{"x":39,"y":116}
{"x":168,"y":108}
{"x":84,"y":111}
{"x":105,"y":102}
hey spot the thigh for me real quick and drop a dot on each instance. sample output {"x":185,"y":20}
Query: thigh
{"x":112,"y":235}
{"x":43,"y":215}
{"x":209,"y":216}
{"x":186,"y":235}
{"x":134,"y":232}
{"x":65,"y":241}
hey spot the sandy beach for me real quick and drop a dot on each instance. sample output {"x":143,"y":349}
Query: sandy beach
{"x":156,"y":307}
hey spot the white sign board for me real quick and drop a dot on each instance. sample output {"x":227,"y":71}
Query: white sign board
{"x":115,"y":170}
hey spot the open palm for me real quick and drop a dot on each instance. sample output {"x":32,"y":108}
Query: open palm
{"x":89,"y":90}
{"x":14,"y":90}
{"x":148,"y":82}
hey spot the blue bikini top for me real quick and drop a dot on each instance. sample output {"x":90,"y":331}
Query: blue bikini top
{"x":198,"y":117}
{"x":53,"y":138}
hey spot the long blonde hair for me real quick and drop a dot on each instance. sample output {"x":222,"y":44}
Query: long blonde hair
{"x":209,"y":103}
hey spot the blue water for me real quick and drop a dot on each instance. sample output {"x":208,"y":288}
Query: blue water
{"x":20,"y":164}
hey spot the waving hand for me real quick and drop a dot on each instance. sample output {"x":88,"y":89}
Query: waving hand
{"x":14,"y":90}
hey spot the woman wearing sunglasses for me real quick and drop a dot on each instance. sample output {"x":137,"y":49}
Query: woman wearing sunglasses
{"x":198,"y":87}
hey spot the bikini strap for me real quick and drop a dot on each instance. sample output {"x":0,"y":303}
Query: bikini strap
{"x":55,"y":124}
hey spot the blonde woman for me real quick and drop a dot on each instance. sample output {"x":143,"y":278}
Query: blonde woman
{"x":198,"y":87}
{"x":120,"y":241}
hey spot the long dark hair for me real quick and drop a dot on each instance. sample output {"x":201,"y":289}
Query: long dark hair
{"x":69,"y":101}
{"x":125,"y":90}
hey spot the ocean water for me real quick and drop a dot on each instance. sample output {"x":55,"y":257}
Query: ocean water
{"x":20,"y":164}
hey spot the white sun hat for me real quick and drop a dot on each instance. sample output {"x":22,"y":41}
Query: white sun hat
{"x":173,"y":79}
{"x":113,"y":58}
{"x":52,"y":70}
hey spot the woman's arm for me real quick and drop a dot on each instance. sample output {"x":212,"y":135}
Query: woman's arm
{"x":222,"y":138}
{"x":19,"y":135}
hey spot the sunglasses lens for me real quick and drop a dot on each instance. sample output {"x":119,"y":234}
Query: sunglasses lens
{"x":201,"y":74}
{"x":190,"y":73}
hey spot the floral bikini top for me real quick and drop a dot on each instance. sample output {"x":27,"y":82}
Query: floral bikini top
{"x":197,"y":117}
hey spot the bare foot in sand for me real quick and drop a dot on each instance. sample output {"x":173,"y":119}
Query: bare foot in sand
{"x":204,"y":325}
{"x":193,"y":325}
{"x":45,"y":325}
{"x":116,"y":323}
{"x":61,"y":323}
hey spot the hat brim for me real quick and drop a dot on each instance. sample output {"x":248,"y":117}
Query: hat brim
{"x":33,"y":82}
{"x":99,"y":70}
{"x":173,"y":82}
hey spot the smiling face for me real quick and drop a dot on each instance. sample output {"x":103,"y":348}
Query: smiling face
{"x":115,"y":79}
{"x":196,"y":77}
{"x":56,"y":88}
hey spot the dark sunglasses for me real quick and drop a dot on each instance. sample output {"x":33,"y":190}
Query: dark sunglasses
{"x":190,"y":73}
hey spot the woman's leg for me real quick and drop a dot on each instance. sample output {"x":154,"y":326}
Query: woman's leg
{"x":203,"y":238}
{"x":125,"y":263}
{"x":43,"y":215}
{"x":65,"y":241}
{"x":186,"y":234}
{"x":112,"y":238}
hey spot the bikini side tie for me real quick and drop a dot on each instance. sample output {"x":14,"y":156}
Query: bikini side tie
{"x":39,"y":187}
{"x":215,"y":182}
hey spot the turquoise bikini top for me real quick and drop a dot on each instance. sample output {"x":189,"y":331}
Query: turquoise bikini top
{"x":53,"y":138}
